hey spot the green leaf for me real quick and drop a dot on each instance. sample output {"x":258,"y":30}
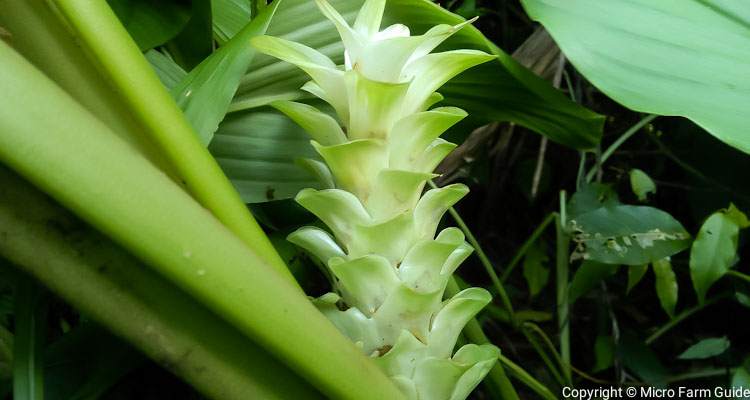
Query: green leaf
{"x":151,"y":23}
{"x":671,"y":57}
{"x":641,"y":184}
{"x":195,"y":41}
{"x":501,"y":90}
{"x":706,"y":348}
{"x":229,"y":17}
{"x":666,"y":285}
{"x":588,"y":275}
{"x":635,"y":274}
{"x":604,"y":353}
{"x":714,"y":250}
{"x":258,"y":152}
{"x":591,"y":197}
{"x":630,"y":235}
{"x":29,"y":340}
{"x":741,"y":379}
{"x":204,"y":95}
{"x":167,"y":70}
{"x":534,"y":269}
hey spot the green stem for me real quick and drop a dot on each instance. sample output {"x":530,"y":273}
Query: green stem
{"x":110,"y":286}
{"x":738,"y":274}
{"x":550,"y":346}
{"x":708,"y":373}
{"x":681,"y":317}
{"x":111,"y":49}
{"x":526,"y":378}
{"x":617,"y":143}
{"x":43,"y":40}
{"x":527,"y":245}
{"x":115,"y":189}
{"x":551,"y":367}
{"x":485,"y":261}
{"x":563,"y":317}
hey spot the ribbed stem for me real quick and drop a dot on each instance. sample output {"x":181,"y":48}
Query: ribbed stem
{"x":56,"y":144}
{"x":107,"y":284}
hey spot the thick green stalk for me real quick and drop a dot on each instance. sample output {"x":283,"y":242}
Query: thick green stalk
{"x":52,"y":141}
{"x":109,"y":285}
{"x":41,"y":38}
{"x":117,"y":57}
{"x":563,"y":317}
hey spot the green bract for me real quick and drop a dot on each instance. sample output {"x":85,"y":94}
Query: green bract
{"x":391,"y":269}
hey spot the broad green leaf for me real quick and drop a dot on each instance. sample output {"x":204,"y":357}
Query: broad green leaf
{"x":706,"y":348}
{"x":635,"y":274}
{"x":670,"y":57}
{"x":258,"y":152}
{"x":588,"y":275}
{"x":167,"y":70}
{"x":714,"y":250}
{"x":641,"y":184}
{"x":666,"y":285}
{"x":229,"y":17}
{"x":29,"y":340}
{"x":604,"y":353}
{"x":204,"y":95}
{"x":741,"y":379}
{"x":590,"y":197}
{"x":630,"y":235}
{"x":534,"y":269}
{"x":150,"y":23}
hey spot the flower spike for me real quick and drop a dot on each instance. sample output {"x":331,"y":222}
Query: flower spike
{"x":389,"y":269}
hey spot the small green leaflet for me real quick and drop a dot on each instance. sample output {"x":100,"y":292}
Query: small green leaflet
{"x":741,"y":378}
{"x":666,"y":285}
{"x":706,"y":348}
{"x":641,"y":183}
{"x":714,"y":250}
{"x":604,"y":352}
{"x":534,"y":269}
{"x":630,"y":235}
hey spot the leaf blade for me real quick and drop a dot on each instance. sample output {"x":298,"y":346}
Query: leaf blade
{"x":655,"y":56}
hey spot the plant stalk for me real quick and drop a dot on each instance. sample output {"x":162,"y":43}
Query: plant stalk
{"x":563,"y":317}
{"x":110,"y":286}
{"x":114,"y":53}
{"x":115,"y":189}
